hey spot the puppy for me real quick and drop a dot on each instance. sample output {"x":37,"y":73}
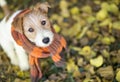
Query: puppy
{"x":37,"y":29}
{"x":32,"y":30}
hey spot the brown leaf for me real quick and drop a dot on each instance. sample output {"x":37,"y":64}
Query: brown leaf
{"x":106,"y":72}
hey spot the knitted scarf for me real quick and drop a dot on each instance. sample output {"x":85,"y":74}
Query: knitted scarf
{"x":35,"y":53}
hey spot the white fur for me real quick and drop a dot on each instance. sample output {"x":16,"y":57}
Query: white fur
{"x":41,"y":34}
{"x":2,"y":2}
{"x":15,"y":52}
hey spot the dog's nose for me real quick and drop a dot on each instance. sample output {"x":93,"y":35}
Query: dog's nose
{"x":46,"y":40}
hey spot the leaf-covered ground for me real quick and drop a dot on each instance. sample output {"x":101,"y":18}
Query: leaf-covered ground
{"x":92,"y":31}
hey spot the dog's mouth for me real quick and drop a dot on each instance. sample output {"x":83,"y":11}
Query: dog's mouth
{"x":44,"y":38}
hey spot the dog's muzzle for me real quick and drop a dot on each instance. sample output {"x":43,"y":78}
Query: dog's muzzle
{"x":44,"y":38}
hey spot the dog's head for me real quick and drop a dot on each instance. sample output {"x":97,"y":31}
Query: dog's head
{"x":35,"y":25}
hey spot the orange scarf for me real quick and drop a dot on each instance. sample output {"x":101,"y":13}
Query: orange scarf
{"x":35,"y":53}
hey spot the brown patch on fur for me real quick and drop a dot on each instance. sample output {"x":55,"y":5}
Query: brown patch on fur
{"x":18,"y":21}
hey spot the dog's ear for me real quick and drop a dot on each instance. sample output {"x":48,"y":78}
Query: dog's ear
{"x":42,"y":7}
{"x":18,"y":21}
{"x":18,"y":24}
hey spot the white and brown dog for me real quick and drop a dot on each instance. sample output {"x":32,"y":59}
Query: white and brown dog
{"x":36,"y":28}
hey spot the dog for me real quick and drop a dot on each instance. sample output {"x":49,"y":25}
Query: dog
{"x":42,"y":38}
{"x":15,"y":52}
{"x":33,"y":32}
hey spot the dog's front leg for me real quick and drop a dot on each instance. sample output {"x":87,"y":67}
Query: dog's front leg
{"x":22,"y":57}
{"x":8,"y":47}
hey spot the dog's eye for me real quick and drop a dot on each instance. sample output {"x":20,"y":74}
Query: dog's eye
{"x":43,"y":22}
{"x":31,"y":30}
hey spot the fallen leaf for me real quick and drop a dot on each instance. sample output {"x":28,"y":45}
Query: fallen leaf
{"x":101,"y":15}
{"x":118,"y":76}
{"x":106,"y":72}
{"x":97,"y":62}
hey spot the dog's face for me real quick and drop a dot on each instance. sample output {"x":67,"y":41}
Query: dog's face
{"x":36,"y":26}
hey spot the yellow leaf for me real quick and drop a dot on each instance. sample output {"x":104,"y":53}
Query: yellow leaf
{"x":63,"y":4}
{"x":65,"y":13}
{"x":1,"y":15}
{"x":57,"y":28}
{"x":87,"y":9}
{"x":98,"y":2}
{"x":76,"y":73}
{"x":102,"y":14}
{"x":80,"y":62}
{"x":55,"y":17}
{"x":73,"y":68}
{"x":116,"y":25}
{"x":106,"y":40}
{"x":76,"y":48}
{"x":64,"y":8}
{"x":105,"y":6}
{"x":20,"y":73}
{"x":112,"y":38}
{"x":113,"y":8}
{"x":105,"y":22}
{"x":88,"y":80}
{"x":91,"y":34}
{"x":118,"y":76}
{"x":74,"y":10}
{"x":97,"y":62}
{"x":76,"y":28}
{"x":86,"y":50}
{"x":105,"y":53}
{"x":91,"y":19}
